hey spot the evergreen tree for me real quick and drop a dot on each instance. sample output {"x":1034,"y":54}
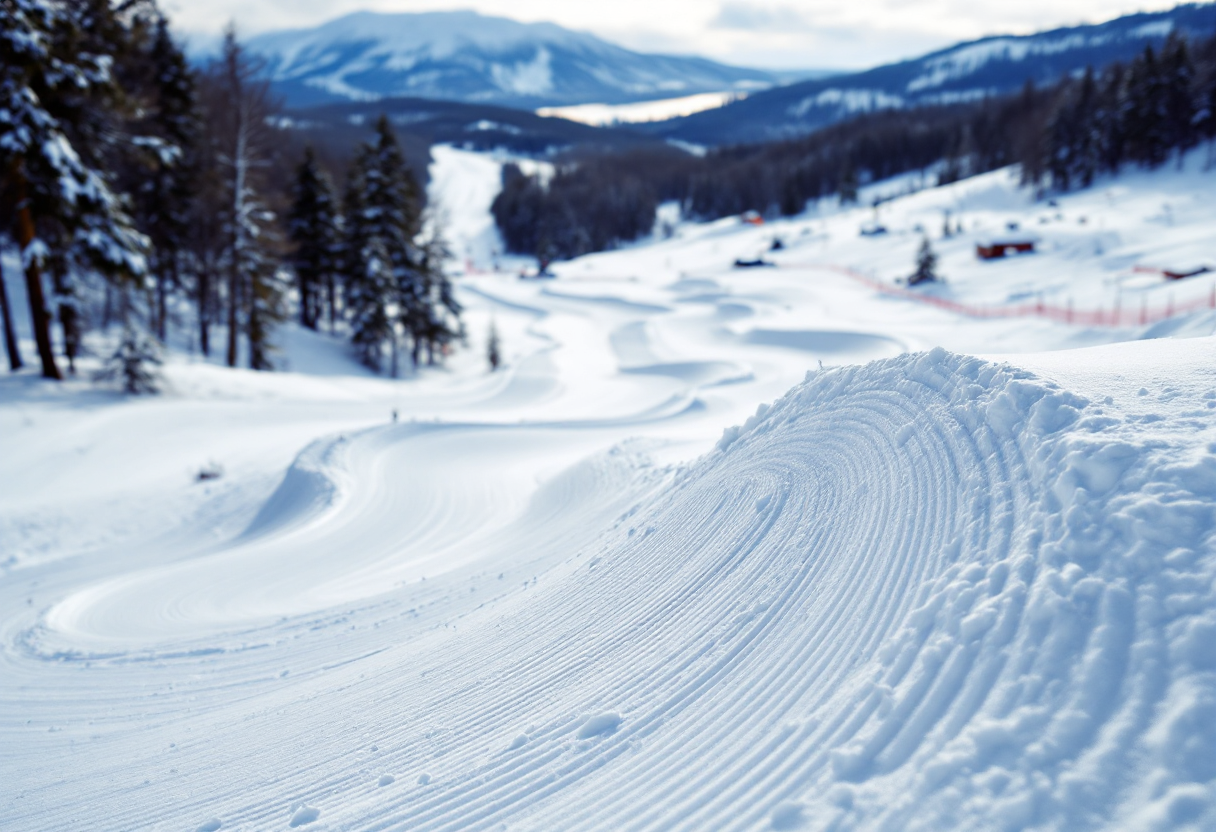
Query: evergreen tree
{"x":1108,"y":120}
{"x":443,"y":326}
{"x":1145,"y":120}
{"x":134,"y":362}
{"x":393,"y":213}
{"x":847,"y":186}
{"x":313,"y":229}
{"x":52,"y":89}
{"x":166,"y":176}
{"x":926,"y":265}
{"x":1179,"y":108}
{"x":370,"y":290}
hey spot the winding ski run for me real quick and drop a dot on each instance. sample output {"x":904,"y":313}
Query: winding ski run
{"x":932,"y":592}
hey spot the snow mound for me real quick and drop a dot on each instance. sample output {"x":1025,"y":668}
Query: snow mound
{"x":932,"y":592}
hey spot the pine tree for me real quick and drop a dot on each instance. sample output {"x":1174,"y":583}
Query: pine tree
{"x":443,"y":326}
{"x":1145,"y":121}
{"x":926,"y":265}
{"x":313,"y":229}
{"x":1179,"y":108}
{"x":54,"y":94}
{"x":166,"y":175}
{"x":370,"y":290}
{"x":133,"y":363}
{"x":393,"y":213}
{"x":847,"y":186}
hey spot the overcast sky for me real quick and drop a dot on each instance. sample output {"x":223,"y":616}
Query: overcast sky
{"x":784,"y":33}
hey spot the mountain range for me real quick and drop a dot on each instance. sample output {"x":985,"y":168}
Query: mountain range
{"x":469,"y":57}
{"x":965,"y":72}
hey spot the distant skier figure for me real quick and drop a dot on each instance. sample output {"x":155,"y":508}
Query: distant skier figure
{"x":926,"y":265}
{"x":394,"y":415}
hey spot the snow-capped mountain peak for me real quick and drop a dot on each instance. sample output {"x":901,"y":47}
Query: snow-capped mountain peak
{"x":466,"y":56}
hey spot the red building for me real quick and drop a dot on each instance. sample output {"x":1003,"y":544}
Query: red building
{"x":995,"y":249}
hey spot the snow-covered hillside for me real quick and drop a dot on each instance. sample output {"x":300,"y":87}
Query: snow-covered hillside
{"x":971,"y":71}
{"x":689,"y":562}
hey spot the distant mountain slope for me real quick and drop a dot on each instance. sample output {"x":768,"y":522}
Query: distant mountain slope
{"x":422,"y":122}
{"x":464,"y":56}
{"x":966,"y":72}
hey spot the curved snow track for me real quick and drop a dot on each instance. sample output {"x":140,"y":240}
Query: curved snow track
{"x":928,"y":593}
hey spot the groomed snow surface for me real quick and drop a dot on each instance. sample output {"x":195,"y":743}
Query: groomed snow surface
{"x":928,"y":587}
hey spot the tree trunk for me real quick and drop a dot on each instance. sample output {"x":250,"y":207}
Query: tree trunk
{"x":234,"y":303}
{"x":162,"y":300}
{"x":333,"y":303}
{"x":10,"y":335}
{"x":40,"y":316}
{"x":69,"y":320}
{"x":204,"y":308}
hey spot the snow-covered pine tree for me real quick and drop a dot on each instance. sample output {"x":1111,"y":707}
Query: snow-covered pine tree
{"x":443,"y":326}
{"x":1144,"y":112}
{"x":134,"y":362}
{"x":1108,"y":119}
{"x":165,"y":172}
{"x":392,"y":206}
{"x":1179,"y":108}
{"x":313,"y":228}
{"x":370,"y":290}
{"x":1072,"y":136}
{"x":926,"y":265}
{"x":54,"y":92}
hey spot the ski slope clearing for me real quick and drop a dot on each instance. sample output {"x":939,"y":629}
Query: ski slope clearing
{"x":954,"y":576}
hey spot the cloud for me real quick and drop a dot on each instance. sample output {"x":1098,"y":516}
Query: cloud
{"x":753,"y":17}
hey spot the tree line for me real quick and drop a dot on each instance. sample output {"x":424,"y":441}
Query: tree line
{"x":144,"y":192}
{"x":1062,"y":136}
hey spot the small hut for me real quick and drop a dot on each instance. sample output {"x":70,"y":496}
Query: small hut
{"x":1003,"y":247}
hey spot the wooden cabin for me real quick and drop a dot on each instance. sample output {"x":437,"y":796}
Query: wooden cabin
{"x":996,"y":249}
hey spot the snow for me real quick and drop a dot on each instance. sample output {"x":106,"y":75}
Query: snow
{"x":847,"y":101}
{"x":643,"y":111}
{"x":741,"y":549}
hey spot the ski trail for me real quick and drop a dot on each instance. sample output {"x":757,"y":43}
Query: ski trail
{"x":916,"y":594}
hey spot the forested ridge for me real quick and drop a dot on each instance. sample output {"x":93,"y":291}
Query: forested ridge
{"x":1063,"y":136}
{"x":149,"y":194}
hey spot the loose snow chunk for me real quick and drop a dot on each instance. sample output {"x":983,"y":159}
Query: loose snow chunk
{"x":599,"y":725}
{"x":212,"y":825}
{"x":424,"y":779}
{"x":305,"y":814}
{"x":386,"y":780}
{"x":787,"y":816}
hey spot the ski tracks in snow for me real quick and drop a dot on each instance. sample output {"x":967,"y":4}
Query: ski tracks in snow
{"x":931,"y":592}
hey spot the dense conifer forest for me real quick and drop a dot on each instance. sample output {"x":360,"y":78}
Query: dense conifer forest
{"x":1062,"y":136}
{"x":148,"y":195}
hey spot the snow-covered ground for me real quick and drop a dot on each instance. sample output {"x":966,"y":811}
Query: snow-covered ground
{"x":956,"y":574}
